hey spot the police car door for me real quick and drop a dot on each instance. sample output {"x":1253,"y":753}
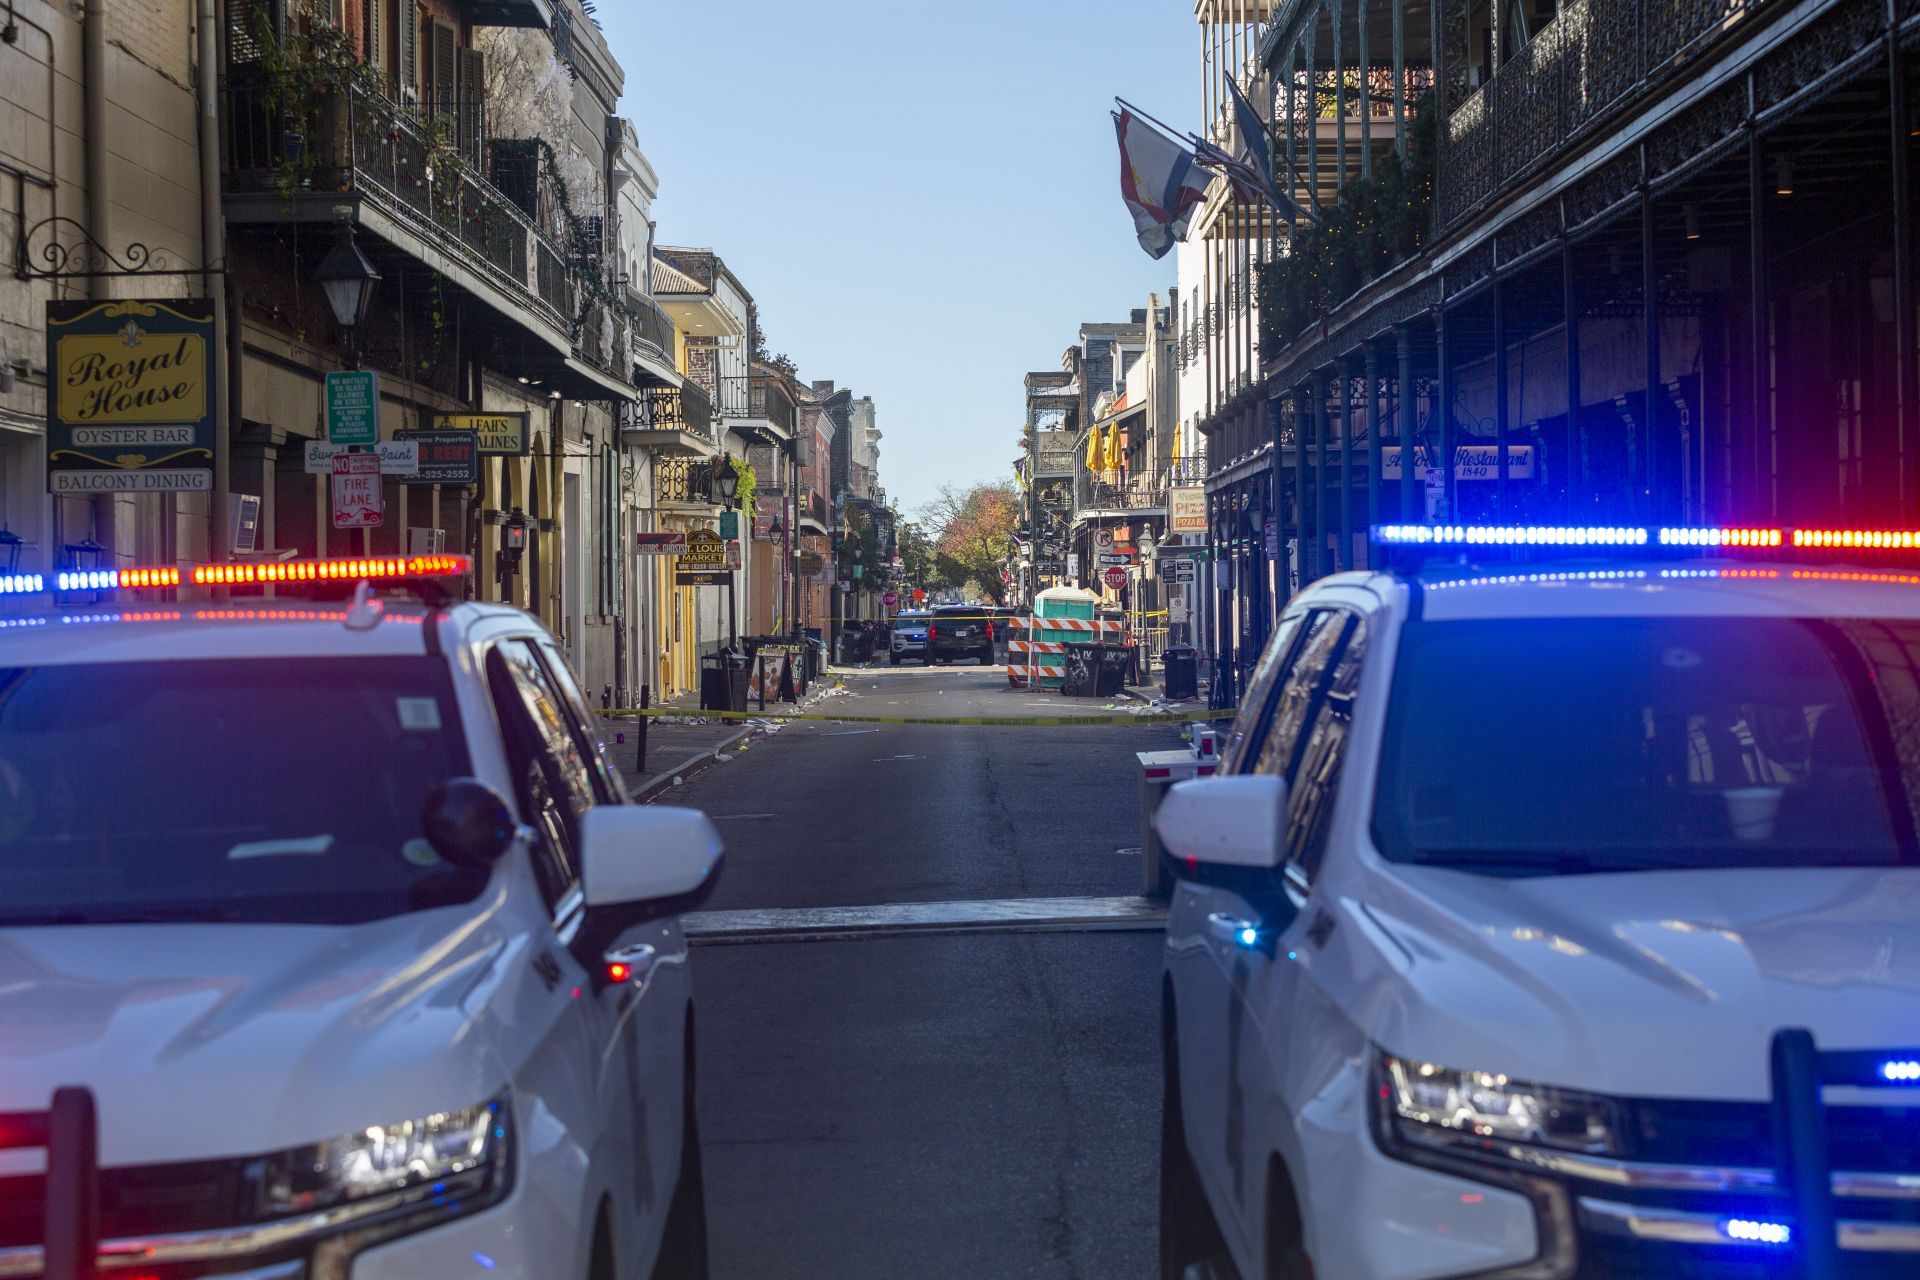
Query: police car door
{"x":1250,"y":973}
{"x":583,"y":1063}
{"x":650,"y":1009}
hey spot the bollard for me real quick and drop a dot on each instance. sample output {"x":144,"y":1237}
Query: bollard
{"x":762,"y":660}
{"x":787,"y":693}
{"x":640,"y":731}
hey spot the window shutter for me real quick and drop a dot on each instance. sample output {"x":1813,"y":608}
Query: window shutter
{"x":406,"y":28}
{"x":242,"y":23}
{"x":445,"y":69}
{"x":473,"y":94}
{"x":374,"y":27}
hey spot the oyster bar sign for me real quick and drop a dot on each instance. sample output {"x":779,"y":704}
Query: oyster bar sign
{"x":132,"y":406}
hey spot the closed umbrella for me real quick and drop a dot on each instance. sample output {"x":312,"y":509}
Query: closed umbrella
{"x":1093,"y":449}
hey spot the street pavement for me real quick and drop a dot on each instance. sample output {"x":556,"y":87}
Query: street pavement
{"x":975,"y":1104}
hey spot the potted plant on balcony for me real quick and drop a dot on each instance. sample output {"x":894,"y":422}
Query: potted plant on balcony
{"x":309,"y":77}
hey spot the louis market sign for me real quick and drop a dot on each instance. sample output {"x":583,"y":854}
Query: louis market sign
{"x":131,"y":409}
{"x":704,"y":563}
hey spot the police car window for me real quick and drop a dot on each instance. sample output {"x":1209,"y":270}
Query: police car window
{"x":1299,"y":696}
{"x":550,"y":779}
{"x":258,"y":790}
{"x":1529,"y":747}
{"x":1257,"y":704}
{"x":1317,"y":778}
{"x":608,"y":786}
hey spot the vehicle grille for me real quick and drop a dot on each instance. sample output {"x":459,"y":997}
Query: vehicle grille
{"x":1861,"y":1139}
{"x":1614,"y":1258}
{"x":136,"y":1201}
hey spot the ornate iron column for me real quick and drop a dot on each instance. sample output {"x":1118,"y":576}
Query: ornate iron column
{"x":1376,"y":468}
{"x":1411,"y":505}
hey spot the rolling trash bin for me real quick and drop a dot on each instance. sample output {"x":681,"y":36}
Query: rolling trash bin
{"x":723,"y":681}
{"x":1096,"y":670}
{"x":1181,"y":682}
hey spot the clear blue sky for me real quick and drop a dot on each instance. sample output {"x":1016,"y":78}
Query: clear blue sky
{"x":922,"y":195}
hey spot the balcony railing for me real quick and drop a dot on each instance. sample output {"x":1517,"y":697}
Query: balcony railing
{"x":1122,"y":491}
{"x":683,"y":408}
{"x":1593,"y":55}
{"x":768,"y":401}
{"x":684,"y":480}
{"x":360,"y":143}
{"x":734,"y":396}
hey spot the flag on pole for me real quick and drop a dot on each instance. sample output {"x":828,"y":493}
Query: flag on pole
{"x":1253,"y":132}
{"x":1159,"y":181}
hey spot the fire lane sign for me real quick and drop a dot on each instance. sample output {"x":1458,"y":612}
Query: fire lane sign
{"x":356,"y":491}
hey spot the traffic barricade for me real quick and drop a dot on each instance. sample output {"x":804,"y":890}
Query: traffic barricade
{"x":1158,"y":771}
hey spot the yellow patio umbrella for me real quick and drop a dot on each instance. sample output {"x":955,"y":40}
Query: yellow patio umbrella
{"x":1113,"y":447}
{"x":1174,"y":454}
{"x":1093,"y":449}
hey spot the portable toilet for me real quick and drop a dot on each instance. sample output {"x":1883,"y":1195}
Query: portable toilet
{"x":1070,"y":611}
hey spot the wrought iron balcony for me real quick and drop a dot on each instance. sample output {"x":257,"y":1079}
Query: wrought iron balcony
{"x":1594,"y":55}
{"x":1122,"y":491}
{"x":421,"y":167}
{"x":684,"y":408}
{"x":687,"y":481}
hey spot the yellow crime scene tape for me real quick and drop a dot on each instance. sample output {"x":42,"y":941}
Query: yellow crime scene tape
{"x":995,"y":722}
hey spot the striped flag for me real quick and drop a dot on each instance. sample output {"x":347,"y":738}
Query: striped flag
{"x":1159,"y":181}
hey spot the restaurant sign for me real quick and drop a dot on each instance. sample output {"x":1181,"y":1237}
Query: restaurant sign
{"x":704,"y":562}
{"x":132,"y":404}
{"x":499,"y":435}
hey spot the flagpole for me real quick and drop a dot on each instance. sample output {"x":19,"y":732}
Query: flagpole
{"x":1171,"y":134}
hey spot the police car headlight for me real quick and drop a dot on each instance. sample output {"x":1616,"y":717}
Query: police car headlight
{"x":1487,"y":1114}
{"x":444,"y":1160}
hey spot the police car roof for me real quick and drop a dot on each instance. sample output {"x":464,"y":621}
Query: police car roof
{"x":1683,"y":588}
{"x":141,"y":632}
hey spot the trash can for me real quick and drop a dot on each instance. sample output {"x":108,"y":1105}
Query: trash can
{"x":723,"y":681}
{"x":1096,"y":670}
{"x":1182,"y":680}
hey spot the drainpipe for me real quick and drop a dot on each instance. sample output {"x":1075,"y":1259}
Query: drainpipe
{"x":219,"y":287}
{"x":93,"y":77}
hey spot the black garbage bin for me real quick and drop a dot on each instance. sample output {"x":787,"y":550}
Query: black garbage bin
{"x":723,"y":681}
{"x":1116,"y":661}
{"x":1182,"y":680}
{"x":1095,"y":670}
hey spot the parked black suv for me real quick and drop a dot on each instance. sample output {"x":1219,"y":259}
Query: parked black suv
{"x":959,"y":631}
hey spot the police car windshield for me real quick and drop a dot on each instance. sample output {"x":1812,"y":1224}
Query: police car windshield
{"x":264,"y":790}
{"x":1544,"y":746}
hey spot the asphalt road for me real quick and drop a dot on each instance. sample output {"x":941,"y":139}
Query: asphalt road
{"x":970,"y":1105}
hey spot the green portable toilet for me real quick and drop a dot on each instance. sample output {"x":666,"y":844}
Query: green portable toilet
{"x":1061,"y":616}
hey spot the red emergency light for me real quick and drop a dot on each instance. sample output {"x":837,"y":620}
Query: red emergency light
{"x":368,"y":569}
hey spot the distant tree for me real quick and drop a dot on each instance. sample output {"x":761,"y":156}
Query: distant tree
{"x":973,"y":535}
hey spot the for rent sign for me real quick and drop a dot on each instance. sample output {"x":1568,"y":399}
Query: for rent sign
{"x":132,"y":403}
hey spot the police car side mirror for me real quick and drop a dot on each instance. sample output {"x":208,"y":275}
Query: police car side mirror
{"x":468,"y":823}
{"x":643,"y":862}
{"x":1225,"y":825}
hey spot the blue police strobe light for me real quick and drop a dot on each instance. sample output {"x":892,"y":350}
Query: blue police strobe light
{"x":1901,"y":1071}
{"x":1756,"y":1231}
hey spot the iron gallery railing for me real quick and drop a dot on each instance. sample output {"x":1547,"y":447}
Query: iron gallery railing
{"x":683,"y":408}
{"x":361,"y":143}
{"x":1122,"y":491}
{"x":684,"y":480}
{"x":1592,"y":55}
{"x":769,"y":402}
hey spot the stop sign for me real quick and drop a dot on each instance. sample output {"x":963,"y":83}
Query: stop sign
{"x":890,"y":599}
{"x":1116,"y":577}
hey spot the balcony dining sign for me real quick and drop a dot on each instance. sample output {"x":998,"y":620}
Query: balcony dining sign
{"x":132,"y":404}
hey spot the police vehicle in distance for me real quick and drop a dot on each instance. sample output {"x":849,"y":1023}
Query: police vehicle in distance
{"x":908,"y":637}
{"x":1558,"y":921}
{"x":331,"y":947}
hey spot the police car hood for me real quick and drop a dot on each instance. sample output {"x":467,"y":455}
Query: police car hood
{"x":1655,"y":984}
{"x":220,"y":1040}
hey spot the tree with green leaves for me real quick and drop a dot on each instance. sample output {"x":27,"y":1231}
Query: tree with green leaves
{"x":973,"y":535}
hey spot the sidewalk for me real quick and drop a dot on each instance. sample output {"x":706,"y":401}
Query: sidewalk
{"x":685,"y":742}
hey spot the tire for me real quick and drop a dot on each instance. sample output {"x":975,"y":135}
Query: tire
{"x":683,"y":1245}
{"x":1189,"y":1234}
{"x":1286,"y":1244}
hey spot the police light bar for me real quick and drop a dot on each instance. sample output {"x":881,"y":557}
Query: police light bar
{"x":371,"y":569}
{"x":1673,"y":537}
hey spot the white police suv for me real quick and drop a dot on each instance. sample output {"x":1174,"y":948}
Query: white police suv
{"x":1558,"y":923}
{"x":330,"y":949}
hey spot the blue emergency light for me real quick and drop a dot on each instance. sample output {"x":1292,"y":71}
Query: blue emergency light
{"x":1669,"y":538}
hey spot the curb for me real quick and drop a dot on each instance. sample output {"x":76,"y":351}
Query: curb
{"x":688,"y":768}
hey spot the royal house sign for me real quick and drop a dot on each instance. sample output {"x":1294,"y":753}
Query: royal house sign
{"x":131,"y":409}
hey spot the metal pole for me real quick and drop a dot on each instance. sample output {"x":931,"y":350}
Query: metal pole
{"x":1502,"y":410}
{"x":1405,"y":408}
{"x":1376,"y":462}
{"x":1805,"y":1172}
{"x":1443,"y":410}
{"x":1344,"y":560}
{"x":1907,"y":393}
{"x":1400,"y":77}
{"x":1648,"y":481}
{"x":1760,"y":354}
{"x":1576,"y":430}
{"x":1322,"y":392}
{"x":98,"y":170}
{"x":1302,"y":401}
{"x":1366,"y":98}
{"x":213,"y":257}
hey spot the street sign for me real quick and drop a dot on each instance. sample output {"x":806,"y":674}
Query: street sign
{"x":398,"y":457}
{"x":1116,"y":577}
{"x":672,"y":543}
{"x":1103,"y":539}
{"x":733,"y":553}
{"x":498,"y":435}
{"x":1166,"y":553}
{"x":445,"y":457}
{"x":704,"y":562}
{"x":356,"y":491}
{"x":1175,"y":571}
{"x":1116,"y":557}
{"x":353,"y":406}
{"x":890,"y":598}
{"x":129,"y":396}
{"x":1073,"y":564}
